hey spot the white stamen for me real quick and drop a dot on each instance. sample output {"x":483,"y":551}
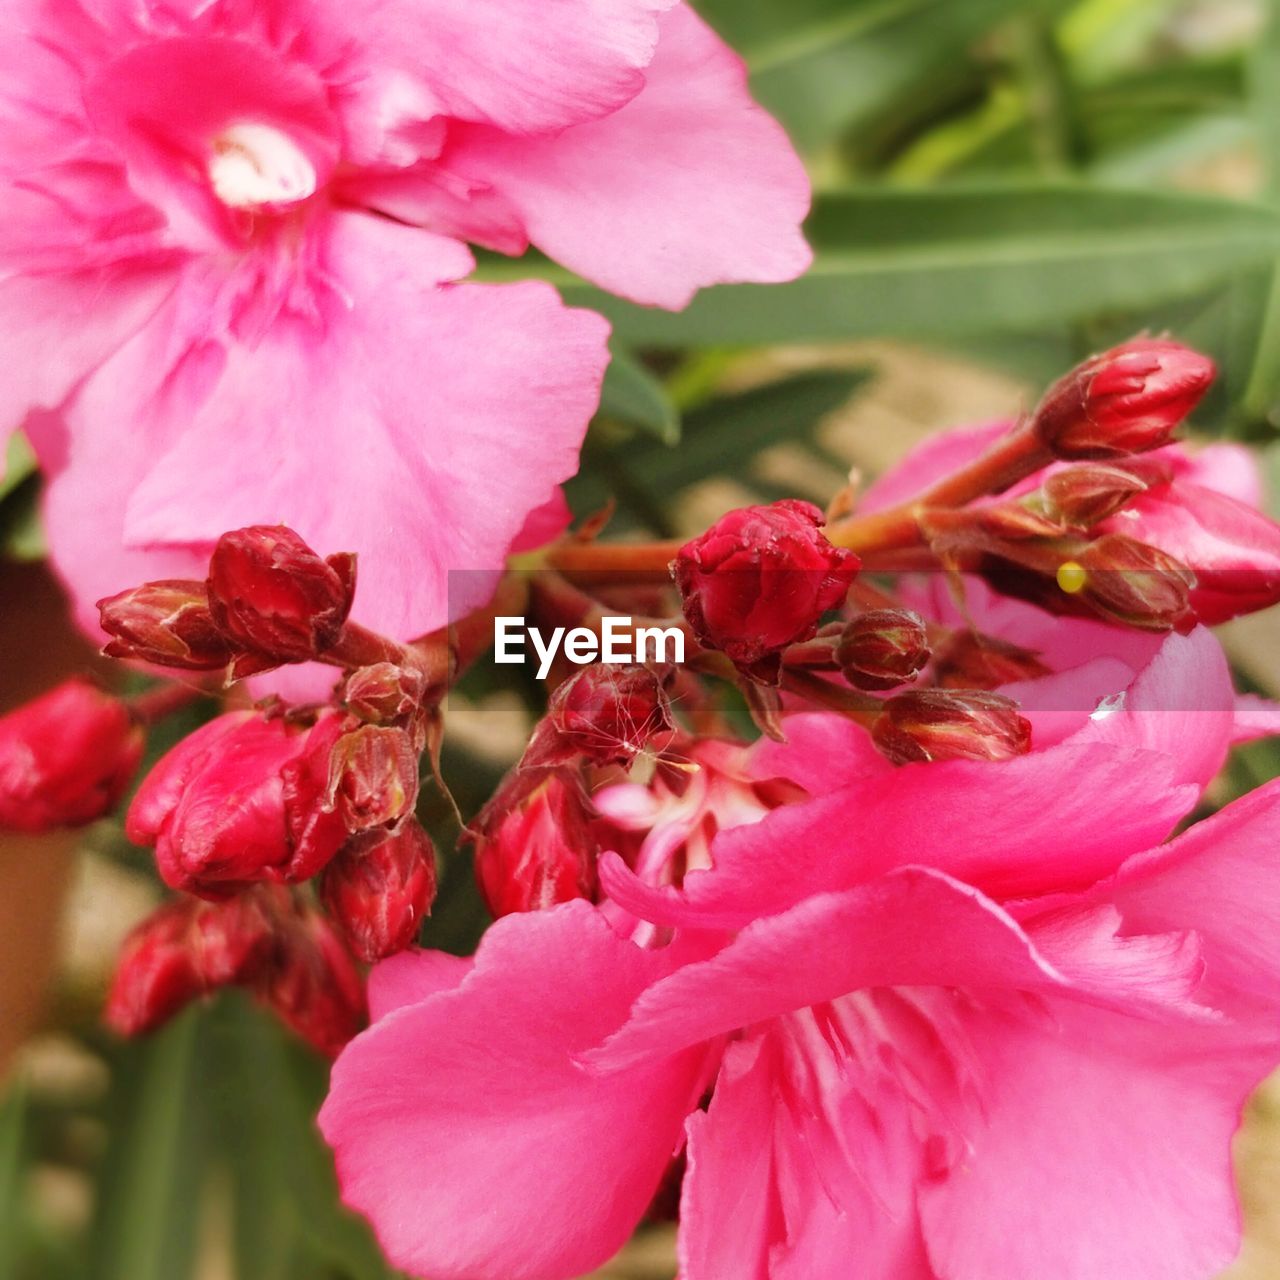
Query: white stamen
{"x":254,"y":164}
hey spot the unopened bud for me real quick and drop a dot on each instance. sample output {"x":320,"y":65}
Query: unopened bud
{"x":183,"y":951}
{"x":378,"y":894}
{"x":65,"y":758}
{"x":1084,"y":496}
{"x":1130,"y":583}
{"x":314,"y":987}
{"x":538,"y":854}
{"x":384,"y":693}
{"x":972,"y":661}
{"x":938,"y":724}
{"x":609,"y":714}
{"x":167,"y":623}
{"x":373,"y":779}
{"x":883,"y":648}
{"x":270,"y":593}
{"x":1126,"y":400}
{"x":760,"y":579}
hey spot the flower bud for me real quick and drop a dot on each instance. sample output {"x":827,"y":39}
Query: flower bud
{"x":972,"y":661}
{"x":1131,"y":583}
{"x":184,"y":950}
{"x":759,"y":580}
{"x":314,"y":987}
{"x":65,"y":758}
{"x":936,"y":724}
{"x":270,"y":593}
{"x":1081,"y":497}
{"x":610,"y":713}
{"x":883,"y":648}
{"x":385,"y":693}
{"x":1124,"y":401}
{"x":167,"y":623}
{"x":373,"y":778}
{"x":538,"y":854}
{"x":378,"y":894}
{"x":220,"y":816}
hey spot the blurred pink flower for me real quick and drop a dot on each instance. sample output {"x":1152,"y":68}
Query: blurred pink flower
{"x":231,"y":231}
{"x":902,"y":1070}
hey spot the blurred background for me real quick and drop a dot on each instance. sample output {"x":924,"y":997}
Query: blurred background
{"x":1003,"y":186}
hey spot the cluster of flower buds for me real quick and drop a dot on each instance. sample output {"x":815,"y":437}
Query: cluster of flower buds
{"x":267,"y":940}
{"x":269,"y":599}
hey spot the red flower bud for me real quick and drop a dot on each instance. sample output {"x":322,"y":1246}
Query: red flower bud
{"x":1131,"y":582}
{"x":1124,"y":401}
{"x":937,"y":724}
{"x":373,"y":777}
{"x":883,"y":648}
{"x":65,"y":758}
{"x":184,"y":950}
{"x":270,"y":593}
{"x":385,"y":693}
{"x":1081,"y":497}
{"x":314,"y":987}
{"x":378,"y":894}
{"x":538,"y":854}
{"x":219,"y":813}
{"x":167,"y":623}
{"x":608,"y":714}
{"x":972,"y":661}
{"x":759,"y":580}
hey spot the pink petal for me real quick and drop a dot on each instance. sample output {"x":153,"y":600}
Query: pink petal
{"x":445,"y":417}
{"x":520,"y":65}
{"x":930,"y":461}
{"x":823,"y":752}
{"x":1255,"y":718}
{"x":690,"y":184}
{"x":413,"y":977}
{"x":826,"y":947}
{"x":1082,"y":809}
{"x":466,"y":1133}
{"x":1104,"y":1150}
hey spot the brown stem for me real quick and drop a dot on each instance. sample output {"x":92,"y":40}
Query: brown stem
{"x":849,"y":702}
{"x":615,"y":563}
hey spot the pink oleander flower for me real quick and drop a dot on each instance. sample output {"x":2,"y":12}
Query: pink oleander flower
{"x":902,"y":1068}
{"x":231,"y":239}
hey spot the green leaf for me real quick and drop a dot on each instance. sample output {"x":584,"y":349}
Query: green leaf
{"x":635,"y":396}
{"x":155,"y":1168}
{"x":737,"y":426}
{"x":822,"y":66}
{"x":13,"y":1115}
{"x":955,"y":262}
{"x":284,"y":1190}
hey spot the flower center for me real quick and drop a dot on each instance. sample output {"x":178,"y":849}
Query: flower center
{"x":255,"y":165}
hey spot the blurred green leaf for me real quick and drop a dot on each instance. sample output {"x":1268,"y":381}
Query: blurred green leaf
{"x":284,"y":1190}
{"x":823,"y":65}
{"x":737,"y":426}
{"x":13,"y":1112}
{"x":155,"y":1168}
{"x":635,"y":396}
{"x":939,"y":263}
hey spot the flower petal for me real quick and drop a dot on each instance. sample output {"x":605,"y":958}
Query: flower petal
{"x":466,"y":1133}
{"x":446,"y":416}
{"x":689,"y":184}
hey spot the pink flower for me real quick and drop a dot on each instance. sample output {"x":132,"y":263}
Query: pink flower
{"x":901,"y":1070}
{"x":230,"y":240}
